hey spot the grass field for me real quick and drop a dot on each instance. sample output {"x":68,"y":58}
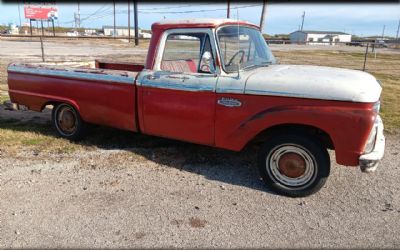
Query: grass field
{"x":33,"y":130}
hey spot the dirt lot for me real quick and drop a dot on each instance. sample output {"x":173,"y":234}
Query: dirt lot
{"x":117,"y":189}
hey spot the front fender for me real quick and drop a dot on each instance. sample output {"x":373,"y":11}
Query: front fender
{"x":348,"y":128}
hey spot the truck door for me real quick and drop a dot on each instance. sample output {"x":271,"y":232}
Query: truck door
{"x":178,"y":95}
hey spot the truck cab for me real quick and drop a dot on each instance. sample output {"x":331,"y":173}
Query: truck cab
{"x":215,"y":82}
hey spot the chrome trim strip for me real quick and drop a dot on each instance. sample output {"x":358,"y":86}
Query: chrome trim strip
{"x":275,"y":93}
{"x":73,"y":74}
{"x":228,"y":90}
{"x":180,"y":86}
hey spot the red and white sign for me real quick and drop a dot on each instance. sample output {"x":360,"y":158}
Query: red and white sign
{"x":40,"y":12}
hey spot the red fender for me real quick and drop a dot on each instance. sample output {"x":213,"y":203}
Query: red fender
{"x":342,"y":124}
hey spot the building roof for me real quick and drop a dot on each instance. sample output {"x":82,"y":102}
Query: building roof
{"x":197,"y":23}
{"x":322,"y":32}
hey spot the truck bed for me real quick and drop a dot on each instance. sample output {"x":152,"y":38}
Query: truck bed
{"x":102,"y":96}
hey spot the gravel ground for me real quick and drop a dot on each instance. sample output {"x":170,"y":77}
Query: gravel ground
{"x":183,"y":195}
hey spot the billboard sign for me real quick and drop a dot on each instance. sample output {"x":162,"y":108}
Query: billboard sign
{"x":40,"y":12}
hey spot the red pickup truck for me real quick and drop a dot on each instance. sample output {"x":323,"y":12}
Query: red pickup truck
{"x":215,"y":82}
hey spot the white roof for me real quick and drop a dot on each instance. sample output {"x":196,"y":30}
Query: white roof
{"x":215,"y":21}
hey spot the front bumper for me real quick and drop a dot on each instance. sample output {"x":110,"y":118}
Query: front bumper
{"x":370,"y":161}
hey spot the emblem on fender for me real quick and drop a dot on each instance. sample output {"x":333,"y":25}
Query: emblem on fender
{"x":229,"y":102}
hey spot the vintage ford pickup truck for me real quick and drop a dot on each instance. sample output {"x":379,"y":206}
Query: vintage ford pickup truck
{"x":215,"y":82}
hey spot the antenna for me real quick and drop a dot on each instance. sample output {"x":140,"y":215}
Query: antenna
{"x":238,"y":37}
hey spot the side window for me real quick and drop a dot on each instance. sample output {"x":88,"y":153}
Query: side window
{"x":181,"y":53}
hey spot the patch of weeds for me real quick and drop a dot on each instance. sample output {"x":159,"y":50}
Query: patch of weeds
{"x":17,"y":125}
{"x":4,"y":98}
{"x":33,"y":141}
{"x":67,"y":149}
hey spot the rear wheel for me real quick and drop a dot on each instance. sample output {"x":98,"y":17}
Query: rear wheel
{"x":294,"y":165}
{"x":67,"y":122}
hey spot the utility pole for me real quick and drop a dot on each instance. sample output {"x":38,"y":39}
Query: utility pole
{"x":135,"y":10}
{"x":302,"y":20}
{"x":19,"y":14}
{"x":263,"y":15}
{"x":398,"y":28}
{"x":129,"y":21}
{"x":77,"y":18}
{"x":383,"y":31}
{"x":79,"y":15}
{"x":41,"y":21}
{"x":30,"y":25}
{"x":114,"y":18}
{"x":228,"y":9}
{"x":54,"y":31}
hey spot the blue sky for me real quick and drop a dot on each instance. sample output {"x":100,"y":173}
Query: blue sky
{"x":359,"y":19}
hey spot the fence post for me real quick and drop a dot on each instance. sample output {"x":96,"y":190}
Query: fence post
{"x":41,"y":46}
{"x":365,"y":56}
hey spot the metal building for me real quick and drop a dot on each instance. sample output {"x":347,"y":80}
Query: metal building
{"x":319,"y":37}
{"x":119,"y":31}
{"x":124,"y":31}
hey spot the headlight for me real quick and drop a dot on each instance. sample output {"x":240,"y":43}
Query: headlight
{"x":377,"y":106}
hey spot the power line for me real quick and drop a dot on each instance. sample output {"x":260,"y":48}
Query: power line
{"x":107,"y":12}
{"x":96,"y":12}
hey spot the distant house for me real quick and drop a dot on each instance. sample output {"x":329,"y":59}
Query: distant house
{"x":90,"y":32}
{"x":319,"y":37}
{"x":119,"y":31}
{"x":73,"y":33}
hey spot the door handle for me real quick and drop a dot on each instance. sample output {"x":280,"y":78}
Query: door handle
{"x":229,"y":102}
{"x":152,"y":77}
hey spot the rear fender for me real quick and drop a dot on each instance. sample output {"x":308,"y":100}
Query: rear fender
{"x":37,"y":102}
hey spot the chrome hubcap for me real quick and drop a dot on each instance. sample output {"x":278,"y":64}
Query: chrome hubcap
{"x":291,"y":165}
{"x":66,"y":120}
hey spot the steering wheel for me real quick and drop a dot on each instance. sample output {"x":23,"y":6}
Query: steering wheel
{"x":205,"y":68}
{"x":235,"y":55}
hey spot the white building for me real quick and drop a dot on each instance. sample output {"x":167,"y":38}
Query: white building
{"x":13,"y":29}
{"x":319,"y":37}
{"x":90,"y":32}
{"x":123,"y":31}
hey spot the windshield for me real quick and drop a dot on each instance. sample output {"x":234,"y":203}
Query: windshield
{"x":243,"y":45}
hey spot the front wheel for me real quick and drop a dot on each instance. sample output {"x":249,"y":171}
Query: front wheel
{"x":294,"y":165}
{"x":67,"y":122}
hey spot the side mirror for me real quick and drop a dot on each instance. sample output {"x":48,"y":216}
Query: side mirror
{"x":207,"y":63}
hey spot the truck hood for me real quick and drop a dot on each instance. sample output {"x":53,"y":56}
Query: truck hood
{"x":314,"y":82}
